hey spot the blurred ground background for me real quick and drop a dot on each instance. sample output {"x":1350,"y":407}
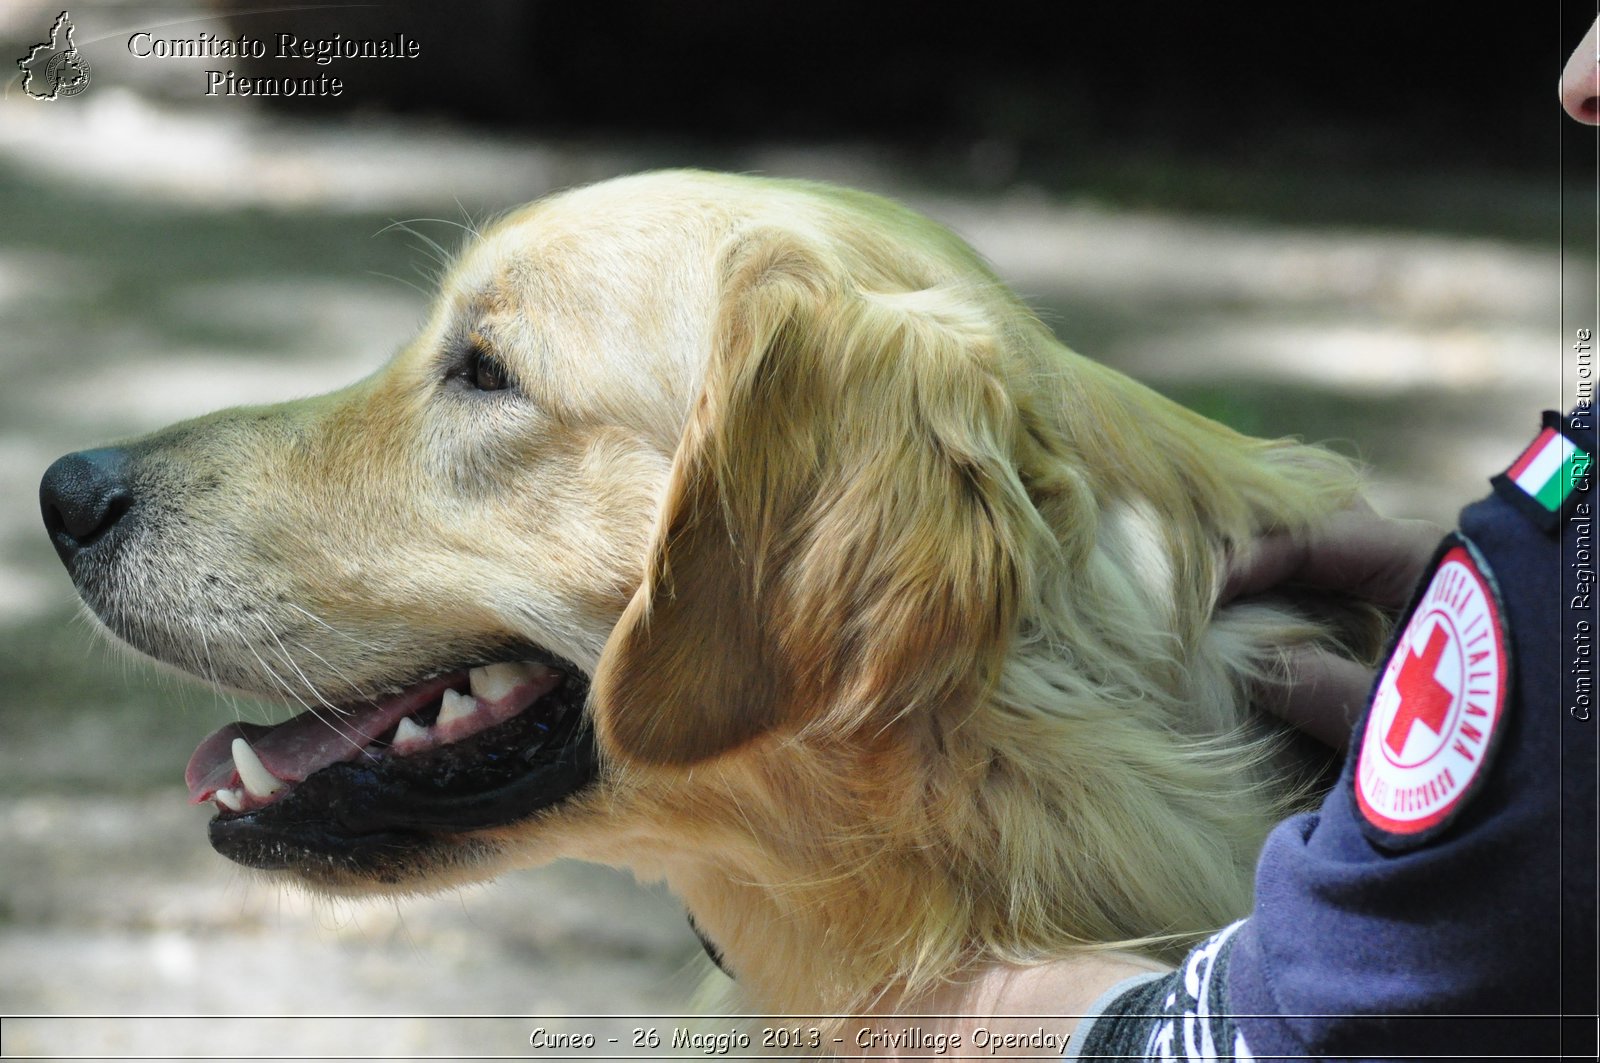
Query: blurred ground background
{"x":1360,"y":227}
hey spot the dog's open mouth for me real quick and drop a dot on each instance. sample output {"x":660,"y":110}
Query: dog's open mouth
{"x":359,"y":785}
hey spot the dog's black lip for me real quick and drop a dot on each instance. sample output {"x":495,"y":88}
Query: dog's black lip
{"x":373,"y":817}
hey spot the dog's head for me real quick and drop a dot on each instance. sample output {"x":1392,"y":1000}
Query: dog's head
{"x":702,"y":505}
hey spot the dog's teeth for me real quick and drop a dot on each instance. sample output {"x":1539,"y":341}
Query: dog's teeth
{"x":258,"y":781}
{"x":409,"y":732}
{"x":495,"y":681}
{"x":456,"y":707}
{"x":232,"y":800}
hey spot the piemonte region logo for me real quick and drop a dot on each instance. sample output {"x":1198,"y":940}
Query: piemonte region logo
{"x":55,"y":68}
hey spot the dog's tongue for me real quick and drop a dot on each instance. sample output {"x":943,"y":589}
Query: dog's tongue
{"x":307,"y":743}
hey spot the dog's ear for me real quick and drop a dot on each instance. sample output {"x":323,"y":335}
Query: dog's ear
{"x":843,"y":535}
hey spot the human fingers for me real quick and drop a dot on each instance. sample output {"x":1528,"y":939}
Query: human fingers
{"x":1320,"y":693}
{"x":1358,"y":552}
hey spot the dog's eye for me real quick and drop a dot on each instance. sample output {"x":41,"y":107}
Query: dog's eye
{"x":485,"y":371}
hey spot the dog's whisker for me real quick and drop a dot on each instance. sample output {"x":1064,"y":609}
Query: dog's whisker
{"x":468,"y":224}
{"x":360,"y":690}
{"x":425,"y":293}
{"x":270,"y":673}
{"x":315,"y":619}
{"x":288,"y":659}
{"x":356,"y":688}
{"x":441,"y":257}
{"x":334,"y":723}
{"x":210,"y":674}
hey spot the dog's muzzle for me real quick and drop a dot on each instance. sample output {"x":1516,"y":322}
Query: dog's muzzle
{"x":376,"y":788}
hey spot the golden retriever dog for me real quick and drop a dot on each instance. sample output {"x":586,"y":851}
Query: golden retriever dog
{"x":750,"y":535}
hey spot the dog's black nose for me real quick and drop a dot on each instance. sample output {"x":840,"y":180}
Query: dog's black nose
{"x":82,"y":496}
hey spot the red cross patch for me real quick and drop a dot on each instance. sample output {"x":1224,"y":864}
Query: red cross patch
{"x":1437,"y":707}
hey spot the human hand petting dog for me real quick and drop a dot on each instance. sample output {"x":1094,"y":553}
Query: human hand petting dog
{"x":1360,"y":553}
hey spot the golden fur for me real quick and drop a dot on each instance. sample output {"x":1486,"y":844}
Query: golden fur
{"x":901,"y":616}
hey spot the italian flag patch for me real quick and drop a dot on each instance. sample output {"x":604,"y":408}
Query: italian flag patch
{"x":1548,"y":473}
